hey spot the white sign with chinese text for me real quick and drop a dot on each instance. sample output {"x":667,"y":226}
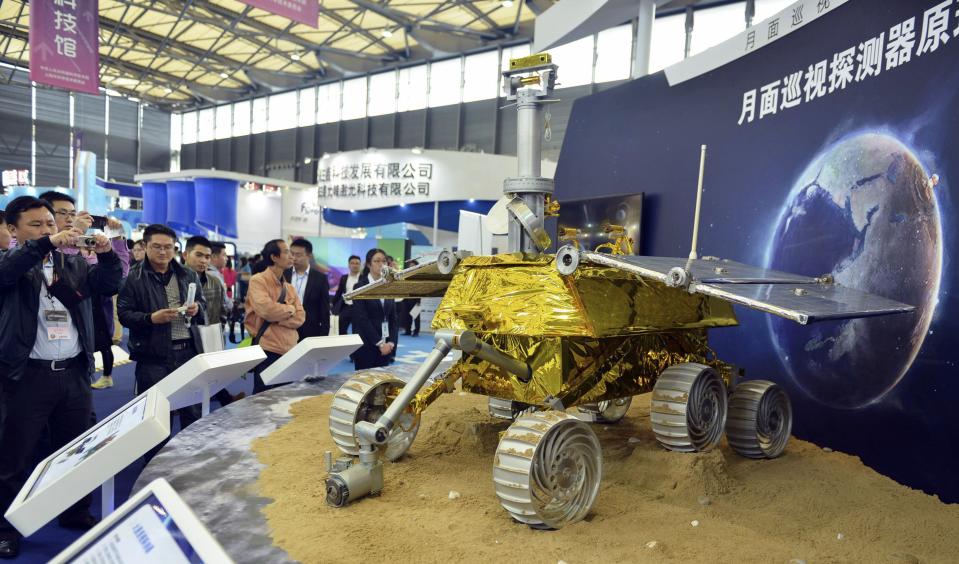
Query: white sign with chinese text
{"x":359,"y":180}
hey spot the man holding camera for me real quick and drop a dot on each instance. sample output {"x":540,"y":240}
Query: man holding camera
{"x":163,"y":326}
{"x":46,"y":335}
{"x":66,"y":215}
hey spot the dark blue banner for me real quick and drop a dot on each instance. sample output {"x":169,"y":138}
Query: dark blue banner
{"x":831,"y":150}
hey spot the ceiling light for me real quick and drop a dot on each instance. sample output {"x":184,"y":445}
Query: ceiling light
{"x":307,"y":160}
{"x":387,"y":32}
{"x":224,"y":75}
{"x":507,"y":3}
{"x":168,"y":90}
{"x":295,"y":56}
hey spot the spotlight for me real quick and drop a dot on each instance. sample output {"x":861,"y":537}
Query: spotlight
{"x":507,"y":3}
{"x":387,"y":32}
{"x":295,"y":56}
{"x":224,"y":75}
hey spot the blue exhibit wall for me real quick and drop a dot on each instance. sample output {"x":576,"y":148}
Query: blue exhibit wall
{"x":835,"y":184}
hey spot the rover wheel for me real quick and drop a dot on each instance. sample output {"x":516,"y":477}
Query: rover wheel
{"x":547,"y":469}
{"x":760,"y":419}
{"x":688,"y":409}
{"x":607,"y":411}
{"x":363,"y":398}
{"x":508,"y":409}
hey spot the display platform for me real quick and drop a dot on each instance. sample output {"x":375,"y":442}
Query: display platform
{"x":680,"y":506}
{"x":212,"y":467}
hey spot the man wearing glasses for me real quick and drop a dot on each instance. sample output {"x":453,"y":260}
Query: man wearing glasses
{"x":66,"y":215}
{"x":164,"y":331}
{"x":47,"y":339}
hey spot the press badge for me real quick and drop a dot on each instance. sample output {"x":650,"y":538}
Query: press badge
{"x":56,"y":332}
{"x":385,"y":331}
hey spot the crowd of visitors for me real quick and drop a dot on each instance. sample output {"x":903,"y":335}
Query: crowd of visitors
{"x":62,"y":289}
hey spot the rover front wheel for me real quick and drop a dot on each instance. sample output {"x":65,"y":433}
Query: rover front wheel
{"x":547,"y":469}
{"x":607,"y":411}
{"x":364,"y":398}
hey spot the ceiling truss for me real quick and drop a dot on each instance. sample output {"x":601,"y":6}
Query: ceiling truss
{"x":186,"y":53}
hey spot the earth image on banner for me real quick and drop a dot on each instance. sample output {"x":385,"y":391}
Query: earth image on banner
{"x":865,"y":211}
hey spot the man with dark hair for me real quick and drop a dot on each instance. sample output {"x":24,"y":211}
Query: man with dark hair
{"x":66,"y":215}
{"x":312,"y":287}
{"x":197,"y":259}
{"x":273,"y":308}
{"x":46,"y":335}
{"x":217,"y":261}
{"x":152,"y":305}
{"x":5,"y":238}
{"x":342,"y":307}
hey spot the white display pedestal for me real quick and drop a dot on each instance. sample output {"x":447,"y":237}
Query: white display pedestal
{"x":154,"y":526}
{"x":91,"y":459}
{"x":313,"y":356}
{"x":206,"y":374}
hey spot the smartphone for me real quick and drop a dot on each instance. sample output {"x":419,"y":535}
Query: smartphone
{"x":99,"y":222}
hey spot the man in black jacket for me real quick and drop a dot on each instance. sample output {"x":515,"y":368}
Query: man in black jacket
{"x":313,"y":288}
{"x":46,"y":335}
{"x":163,"y":333}
{"x":342,"y":307}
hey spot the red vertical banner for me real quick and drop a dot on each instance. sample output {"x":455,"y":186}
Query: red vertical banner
{"x":303,"y":11}
{"x":65,"y":44}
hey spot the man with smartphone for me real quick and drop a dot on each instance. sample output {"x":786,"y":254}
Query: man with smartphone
{"x":155,"y":306}
{"x":46,"y":335}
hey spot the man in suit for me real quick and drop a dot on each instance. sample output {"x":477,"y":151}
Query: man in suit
{"x":341,"y":306}
{"x":313,"y":289}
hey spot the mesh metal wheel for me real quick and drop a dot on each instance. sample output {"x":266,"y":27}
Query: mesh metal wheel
{"x":547,"y":469}
{"x":363,"y":398}
{"x":607,"y":411}
{"x":760,"y":419}
{"x":508,"y":409}
{"x":688,"y":409}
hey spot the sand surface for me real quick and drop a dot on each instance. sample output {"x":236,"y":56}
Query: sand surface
{"x":810,"y":505}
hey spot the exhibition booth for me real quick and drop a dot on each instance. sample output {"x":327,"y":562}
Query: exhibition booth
{"x":718,"y":329}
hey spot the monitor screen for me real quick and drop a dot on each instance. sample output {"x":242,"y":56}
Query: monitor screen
{"x":146,"y":534}
{"x":89,"y":443}
{"x":590,"y":216}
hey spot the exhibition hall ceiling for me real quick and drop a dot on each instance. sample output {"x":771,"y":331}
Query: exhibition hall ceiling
{"x":180,"y":53}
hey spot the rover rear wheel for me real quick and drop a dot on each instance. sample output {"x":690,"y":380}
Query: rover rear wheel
{"x":363,"y":398}
{"x":547,"y":469}
{"x":760,"y":419}
{"x":509,"y":409}
{"x":688,"y":408}
{"x":607,"y":411}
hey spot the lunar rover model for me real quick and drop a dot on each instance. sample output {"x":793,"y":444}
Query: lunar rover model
{"x":542,"y":333}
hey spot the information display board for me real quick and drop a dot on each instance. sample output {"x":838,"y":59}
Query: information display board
{"x":154,"y":526}
{"x":206,"y":374}
{"x":89,"y":460}
{"x":313,"y":356}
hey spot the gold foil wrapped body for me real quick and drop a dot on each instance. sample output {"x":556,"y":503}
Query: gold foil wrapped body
{"x":597,"y":334}
{"x":516,"y":294}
